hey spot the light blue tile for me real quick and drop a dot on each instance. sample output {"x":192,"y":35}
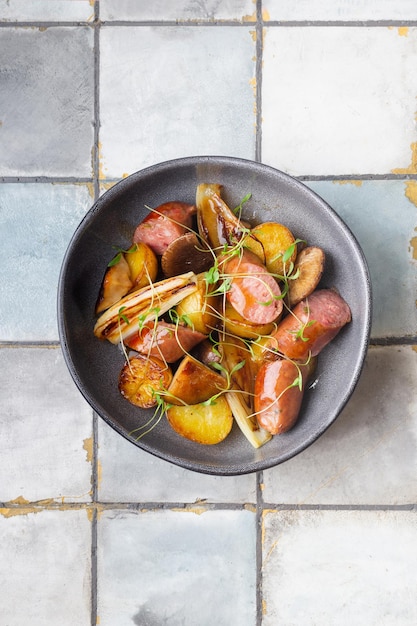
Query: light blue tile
{"x":167,"y":93}
{"x":340,"y":568}
{"x":36,"y":223}
{"x":128,"y":474}
{"x":179,"y":10}
{"x":171,"y":567}
{"x":369,"y":455}
{"x":342,"y":10}
{"x":46,"y":101}
{"x":384,"y":221}
{"x":45,"y":429}
{"x":46,"y":10}
{"x":45,"y":568}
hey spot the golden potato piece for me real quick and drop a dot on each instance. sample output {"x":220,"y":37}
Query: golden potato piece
{"x":276,"y":240}
{"x":236,"y":324}
{"x":141,"y":378}
{"x":310,"y":265}
{"x":194,"y":382}
{"x":200,"y":307}
{"x":203,"y":423}
{"x":142,"y":263}
{"x":116,"y":284}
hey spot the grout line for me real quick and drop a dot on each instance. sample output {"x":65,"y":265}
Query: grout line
{"x":96,"y":146}
{"x":302,"y":177}
{"x":96,"y":186}
{"x":258,"y":78}
{"x":210,"y":23}
{"x":259,"y":558}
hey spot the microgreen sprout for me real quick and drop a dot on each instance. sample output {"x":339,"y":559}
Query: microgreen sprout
{"x":238,"y":210}
{"x":120,"y":252}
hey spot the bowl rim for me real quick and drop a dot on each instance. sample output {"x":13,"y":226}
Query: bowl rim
{"x":125,"y":183}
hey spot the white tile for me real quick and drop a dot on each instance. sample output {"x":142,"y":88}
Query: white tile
{"x":46,"y":10}
{"x":45,"y":568}
{"x":179,"y":10}
{"x":369,"y":455}
{"x":170,"y":567}
{"x":166,"y":93}
{"x":128,"y":474}
{"x":37,"y":222}
{"x":341,"y":10}
{"x":340,"y":568}
{"x":45,"y":429}
{"x":339,"y":100}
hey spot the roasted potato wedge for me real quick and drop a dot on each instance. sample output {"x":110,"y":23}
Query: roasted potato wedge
{"x":143,"y":264}
{"x":141,"y":378}
{"x":309,"y":265}
{"x":194,"y":382}
{"x":116,"y":284}
{"x":200,"y":308}
{"x":203,"y":423}
{"x":236,"y":324}
{"x":276,"y":239}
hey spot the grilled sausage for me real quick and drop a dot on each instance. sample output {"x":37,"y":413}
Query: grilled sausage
{"x":311,"y":325}
{"x":165,"y":224}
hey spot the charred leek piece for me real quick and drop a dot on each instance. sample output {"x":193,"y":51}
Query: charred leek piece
{"x":217,"y":224}
{"x":124,"y":318}
{"x":247,"y":423}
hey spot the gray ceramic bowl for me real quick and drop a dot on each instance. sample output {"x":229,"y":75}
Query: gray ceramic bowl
{"x":95,"y":365}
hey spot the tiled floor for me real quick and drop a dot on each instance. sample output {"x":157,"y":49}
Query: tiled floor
{"x":95,"y":531}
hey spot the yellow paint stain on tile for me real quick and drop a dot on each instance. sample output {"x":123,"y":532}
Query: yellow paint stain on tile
{"x":197,"y":510}
{"x":125,"y":174}
{"x":250,"y":507}
{"x":412,"y":168}
{"x":252,"y":33}
{"x":411,"y":191}
{"x":403,"y":31}
{"x":265,"y":15}
{"x":357,"y":183}
{"x":18,"y":500}
{"x":249,"y":18}
{"x":99,"y":472}
{"x":414,"y":347}
{"x":264,"y":609}
{"x":413,"y":247}
{"x":88,"y":447}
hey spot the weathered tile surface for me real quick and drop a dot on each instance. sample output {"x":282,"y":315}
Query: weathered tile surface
{"x":131,"y":10}
{"x":165,"y":94}
{"x":383,"y":216}
{"x":173,"y":567}
{"x":344,"y":10}
{"x":369,"y":455}
{"x":336,"y":101}
{"x":46,"y":101}
{"x":129,"y":474}
{"x":46,"y":10}
{"x":45,"y":429}
{"x":339,"y":568}
{"x":37,"y":222}
{"x":45,"y":568}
